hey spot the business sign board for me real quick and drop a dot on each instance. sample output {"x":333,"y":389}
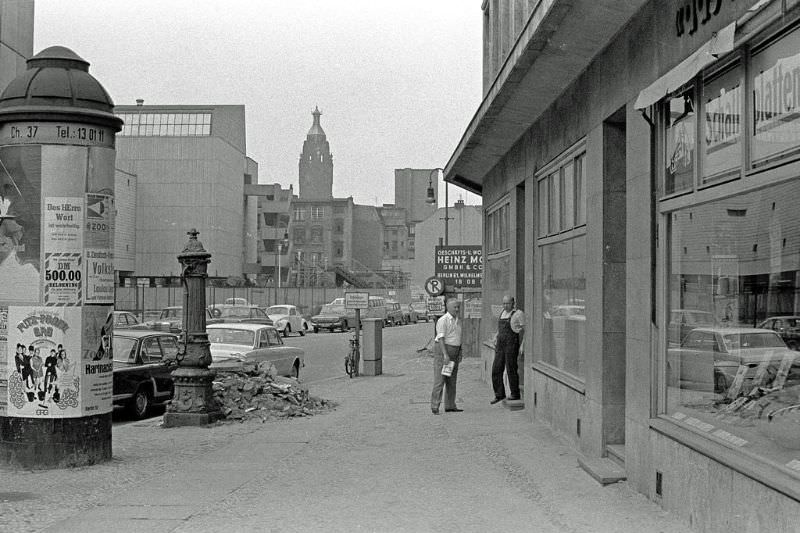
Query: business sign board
{"x":356,"y":300}
{"x":459,"y":266}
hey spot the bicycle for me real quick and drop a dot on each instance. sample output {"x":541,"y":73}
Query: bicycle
{"x":352,"y":358}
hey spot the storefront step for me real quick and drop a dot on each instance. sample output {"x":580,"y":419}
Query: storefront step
{"x":616,"y":452}
{"x":603,"y":469}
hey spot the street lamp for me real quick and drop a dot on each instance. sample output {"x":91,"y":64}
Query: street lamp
{"x":431,"y":199}
{"x":278,"y":248}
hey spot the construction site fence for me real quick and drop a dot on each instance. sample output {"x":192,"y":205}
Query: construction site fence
{"x":147,"y":302}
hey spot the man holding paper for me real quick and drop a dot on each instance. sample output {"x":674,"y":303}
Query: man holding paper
{"x":446,"y":357}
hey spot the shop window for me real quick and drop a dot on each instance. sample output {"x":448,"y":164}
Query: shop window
{"x":564,"y":305}
{"x":775,"y":69}
{"x":562,"y":195}
{"x":723,"y":108}
{"x":679,"y":143}
{"x":497,"y":229}
{"x":730,"y":367}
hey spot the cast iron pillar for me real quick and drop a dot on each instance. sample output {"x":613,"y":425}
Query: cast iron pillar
{"x":193,"y":403}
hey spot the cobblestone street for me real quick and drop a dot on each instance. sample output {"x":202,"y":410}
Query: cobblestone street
{"x":379,"y":462}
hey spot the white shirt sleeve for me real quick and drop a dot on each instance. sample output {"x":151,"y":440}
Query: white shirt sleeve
{"x":518,"y":321}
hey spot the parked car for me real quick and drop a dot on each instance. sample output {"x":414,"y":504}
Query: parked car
{"x":126,"y":320}
{"x":237,"y":346}
{"x":171,"y":319}
{"x":788,"y":327}
{"x":419,"y":311}
{"x":286,"y":319}
{"x":394,"y":314}
{"x":333,"y":316}
{"x":708,"y":359}
{"x":378,"y":308}
{"x":143,"y":362}
{"x":247,"y":314}
{"x":682,"y":321}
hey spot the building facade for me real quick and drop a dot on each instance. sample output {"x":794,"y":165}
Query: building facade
{"x":274,"y":214}
{"x":639,"y":167}
{"x":192,"y":168}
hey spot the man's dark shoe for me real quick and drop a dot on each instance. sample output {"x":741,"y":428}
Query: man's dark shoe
{"x":454,"y":410}
{"x":435,"y":410}
{"x":496,"y":400}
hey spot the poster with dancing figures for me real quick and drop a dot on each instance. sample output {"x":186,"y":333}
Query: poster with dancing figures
{"x":3,"y":360}
{"x":43,"y":362}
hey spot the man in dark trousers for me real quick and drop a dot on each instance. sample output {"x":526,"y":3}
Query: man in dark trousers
{"x":447,"y":348}
{"x":506,"y":350}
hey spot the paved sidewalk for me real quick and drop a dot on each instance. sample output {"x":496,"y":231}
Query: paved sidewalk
{"x":380,"y":462}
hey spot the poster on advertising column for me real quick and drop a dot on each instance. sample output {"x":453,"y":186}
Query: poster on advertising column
{"x":43,"y":362}
{"x":20,"y":223}
{"x":99,"y":252}
{"x":63,"y":241}
{"x":97,"y":360}
{"x":459,"y":266}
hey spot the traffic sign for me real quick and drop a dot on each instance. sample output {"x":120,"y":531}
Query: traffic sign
{"x":356,"y":300}
{"x":434,"y":286}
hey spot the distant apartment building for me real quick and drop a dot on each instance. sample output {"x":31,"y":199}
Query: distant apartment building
{"x":192,"y":168}
{"x":465,"y":226}
{"x":274,"y":214}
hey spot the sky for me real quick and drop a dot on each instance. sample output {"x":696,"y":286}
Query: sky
{"x":397,"y":82}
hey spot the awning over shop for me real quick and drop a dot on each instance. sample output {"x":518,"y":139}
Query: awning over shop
{"x":719,"y":45}
{"x":559,"y":41}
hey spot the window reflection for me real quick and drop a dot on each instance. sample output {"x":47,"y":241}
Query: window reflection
{"x":564,"y":305}
{"x":680,"y":143}
{"x":734,"y":305}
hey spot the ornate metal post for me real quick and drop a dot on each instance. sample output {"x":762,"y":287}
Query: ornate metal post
{"x":193,"y":404}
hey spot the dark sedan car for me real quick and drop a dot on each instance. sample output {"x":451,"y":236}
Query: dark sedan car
{"x":333,"y":316}
{"x":143,"y":362}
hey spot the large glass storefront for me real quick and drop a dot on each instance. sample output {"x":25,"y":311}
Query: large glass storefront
{"x":731,"y":363}
{"x":562,"y":245}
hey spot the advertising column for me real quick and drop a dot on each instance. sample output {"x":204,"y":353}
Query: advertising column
{"x":57,"y":279}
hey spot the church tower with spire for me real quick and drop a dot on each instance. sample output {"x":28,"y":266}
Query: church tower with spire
{"x":316,"y":164}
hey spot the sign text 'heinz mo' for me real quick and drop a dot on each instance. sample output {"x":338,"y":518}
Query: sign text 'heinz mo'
{"x":460,"y":266}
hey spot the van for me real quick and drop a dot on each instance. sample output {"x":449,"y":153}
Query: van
{"x":377,"y":308}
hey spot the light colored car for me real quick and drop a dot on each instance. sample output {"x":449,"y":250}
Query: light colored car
{"x":708,"y":359}
{"x":247,"y":314}
{"x":241,"y":346}
{"x":287,"y":319}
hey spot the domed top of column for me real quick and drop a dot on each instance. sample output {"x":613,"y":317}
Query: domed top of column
{"x":57,"y":82}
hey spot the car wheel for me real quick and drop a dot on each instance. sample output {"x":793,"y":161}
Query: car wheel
{"x":140,"y":403}
{"x":302,"y":332}
{"x":792,"y":344}
{"x":287,"y":330}
{"x":316,"y":329}
{"x":296,"y":370}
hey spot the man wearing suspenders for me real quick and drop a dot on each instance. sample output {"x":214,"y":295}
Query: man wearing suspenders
{"x":507,"y":348}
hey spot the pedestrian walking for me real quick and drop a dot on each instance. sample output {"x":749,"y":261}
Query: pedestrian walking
{"x":447,"y":350}
{"x":507,"y":347}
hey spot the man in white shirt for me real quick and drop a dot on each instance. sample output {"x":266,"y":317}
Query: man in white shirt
{"x":447,"y":348}
{"x":506,"y":350}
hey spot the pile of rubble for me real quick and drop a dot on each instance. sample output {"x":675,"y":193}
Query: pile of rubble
{"x":244,"y":395}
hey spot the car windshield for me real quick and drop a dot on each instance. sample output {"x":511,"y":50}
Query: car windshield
{"x":230,"y":336}
{"x":234,"y":312}
{"x":738,"y":341}
{"x":278,"y":310}
{"x":123,"y":348}
{"x":175,"y":312}
{"x":332,"y":309}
